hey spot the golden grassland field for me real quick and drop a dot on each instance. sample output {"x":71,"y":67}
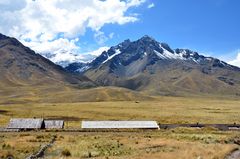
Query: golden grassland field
{"x":183,"y":143}
{"x":165,"y":110}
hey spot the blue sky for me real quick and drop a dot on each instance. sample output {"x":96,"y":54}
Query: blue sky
{"x":71,"y":29}
{"x":209,"y":26}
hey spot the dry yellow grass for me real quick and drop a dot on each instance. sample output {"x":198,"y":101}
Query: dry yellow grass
{"x":177,"y":143}
{"x":21,"y":145}
{"x":135,"y":146}
{"x":181,"y":143}
{"x":163,"y":110}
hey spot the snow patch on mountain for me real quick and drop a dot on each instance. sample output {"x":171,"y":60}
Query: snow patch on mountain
{"x":117,"y":52}
{"x":82,"y":69}
{"x":169,"y":55}
{"x":160,"y":55}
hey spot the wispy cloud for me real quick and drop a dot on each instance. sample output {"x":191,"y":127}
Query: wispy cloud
{"x":101,"y":38}
{"x":151,"y":5}
{"x":236,"y":60}
{"x":38,"y":23}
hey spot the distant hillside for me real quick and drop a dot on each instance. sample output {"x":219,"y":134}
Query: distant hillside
{"x":20,"y":66}
{"x":28,"y":77}
{"x":152,"y":67}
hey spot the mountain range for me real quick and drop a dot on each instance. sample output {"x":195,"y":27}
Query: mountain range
{"x":26,"y":76}
{"x":131,"y":70}
{"x":155,"y":68}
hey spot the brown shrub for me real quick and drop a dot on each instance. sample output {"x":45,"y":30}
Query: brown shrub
{"x":66,"y":153}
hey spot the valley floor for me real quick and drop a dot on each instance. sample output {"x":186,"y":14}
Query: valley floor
{"x":165,"y":110}
{"x":179,"y":143}
{"x":182,"y":143}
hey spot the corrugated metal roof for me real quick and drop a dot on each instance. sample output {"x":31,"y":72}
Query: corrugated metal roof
{"x":27,"y":123}
{"x":120,"y":125}
{"x":54,"y":124}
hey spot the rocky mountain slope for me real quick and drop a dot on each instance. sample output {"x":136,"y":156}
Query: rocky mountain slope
{"x":149,"y":66}
{"x":20,"y":66}
{"x":27,"y":77}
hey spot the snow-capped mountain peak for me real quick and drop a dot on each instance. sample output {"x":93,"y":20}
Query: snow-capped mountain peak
{"x":64,"y":58}
{"x":144,"y":52}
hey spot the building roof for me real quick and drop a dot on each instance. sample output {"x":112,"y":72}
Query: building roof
{"x":54,"y":124}
{"x":120,"y":125}
{"x":27,"y":123}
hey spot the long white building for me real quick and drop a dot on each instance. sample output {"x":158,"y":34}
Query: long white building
{"x":120,"y":125}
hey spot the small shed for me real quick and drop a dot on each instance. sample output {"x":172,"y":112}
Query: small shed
{"x":120,"y":125}
{"x":26,"y":123}
{"x":54,"y":124}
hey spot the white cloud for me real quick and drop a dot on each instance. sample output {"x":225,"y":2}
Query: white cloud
{"x":98,"y":51}
{"x":56,"y":45}
{"x":151,"y":5}
{"x":61,"y":51}
{"x":131,"y":3}
{"x":111,"y":35}
{"x":64,"y":51}
{"x":101,"y":38}
{"x":236,"y":61}
{"x":38,"y":23}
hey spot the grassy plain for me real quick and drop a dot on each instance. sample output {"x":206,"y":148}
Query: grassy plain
{"x":164,"y":110}
{"x":180,"y":143}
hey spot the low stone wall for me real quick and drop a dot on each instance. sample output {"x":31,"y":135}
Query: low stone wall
{"x":40,"y":153}
{"x":9,"y":130}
